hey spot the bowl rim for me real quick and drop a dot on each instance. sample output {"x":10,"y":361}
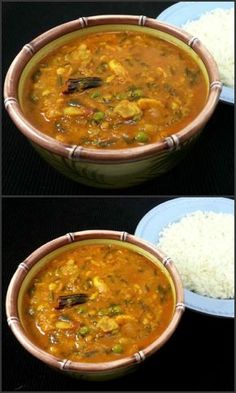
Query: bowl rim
{"x":24,"y":267}
{"x":76,"y":152}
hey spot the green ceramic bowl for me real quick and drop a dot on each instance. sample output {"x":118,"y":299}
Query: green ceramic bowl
{"x":91,"y":371}
{"x":110,"y":168}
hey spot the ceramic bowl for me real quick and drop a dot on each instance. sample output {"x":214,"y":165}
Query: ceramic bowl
{"x":110,"y":168}
{"x":31,"y":265}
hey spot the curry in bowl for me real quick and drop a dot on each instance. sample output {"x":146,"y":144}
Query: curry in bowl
{"x":114,"y":90}
{"x":97,"y":303}
{"x":112,"y":101}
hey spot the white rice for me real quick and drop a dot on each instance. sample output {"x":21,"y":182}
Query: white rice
{"x":216,"y":31}
{"x":201,"y":245}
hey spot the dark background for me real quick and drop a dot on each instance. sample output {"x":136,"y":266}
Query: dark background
{"x":198,"y":357}
{"x":207,"y":170}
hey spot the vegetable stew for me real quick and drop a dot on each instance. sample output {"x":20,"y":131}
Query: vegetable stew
{"x":96,"y":303}
{"x":114,"y":90}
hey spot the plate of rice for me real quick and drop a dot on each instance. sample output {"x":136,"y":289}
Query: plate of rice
{"x":213,"y":23}
{"x":197,"y":234}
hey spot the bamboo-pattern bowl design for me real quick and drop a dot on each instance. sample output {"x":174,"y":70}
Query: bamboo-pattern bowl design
{"x":110,"y":168}
{"x":90,"y":371}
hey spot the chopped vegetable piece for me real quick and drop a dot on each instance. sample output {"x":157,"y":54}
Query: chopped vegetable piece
{"x":61,"y":71}
{"x":99,"y":284}
{"x":161,"y":73}
{"x":117,"y":68}
{"x":147,"y":103}
{"x":107,"y":324}
{"x":52,"y":286}
{"x":127,"y":109}
{"x":73,"y":111}
{"x":64,"y":325}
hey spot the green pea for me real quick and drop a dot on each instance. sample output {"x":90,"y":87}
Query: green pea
{"x":136,"y":94}
{"x":84,"y":330}
{"x":142,"y":137}
{"x":80,"y":309}
{"x":117,"y":348}
{"x":114,"y":310}
{"x":95,"y":94}
{"x":98,"y":116}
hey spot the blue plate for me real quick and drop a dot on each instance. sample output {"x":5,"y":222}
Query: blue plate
{"x":172,"y":211}
{"x":184,"y":11}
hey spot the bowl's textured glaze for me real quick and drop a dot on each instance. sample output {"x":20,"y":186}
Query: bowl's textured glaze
{"x":116,"y":175}
{"x":90,"y":371}
{"x":110,"y":168}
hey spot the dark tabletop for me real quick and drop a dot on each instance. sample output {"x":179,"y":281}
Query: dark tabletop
{"x":198,"y":357}
{"x":208,"y":169}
